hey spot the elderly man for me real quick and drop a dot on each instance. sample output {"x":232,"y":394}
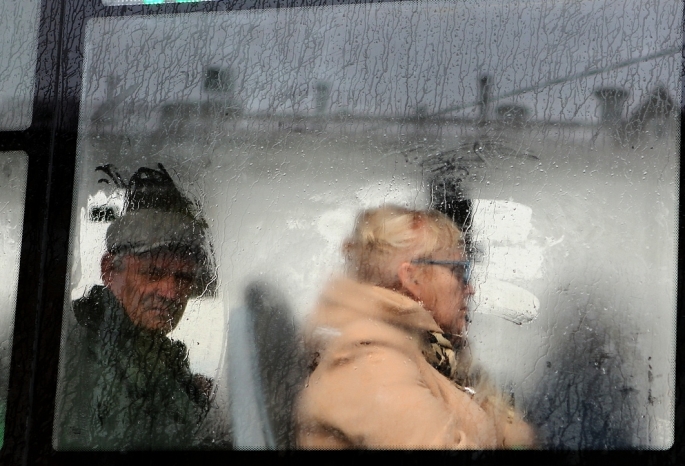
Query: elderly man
{"x":124,"y":384}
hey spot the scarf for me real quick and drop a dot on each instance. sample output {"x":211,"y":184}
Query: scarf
{"x":440,"y":354}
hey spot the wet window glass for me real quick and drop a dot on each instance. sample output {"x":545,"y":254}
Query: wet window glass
{"x":148,"y":2}
{"x":224,"y":159}
{"x":18,"y":40}
{"x":12,"y":192}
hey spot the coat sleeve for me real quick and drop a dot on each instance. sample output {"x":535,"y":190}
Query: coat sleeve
{"x":378,"y":397}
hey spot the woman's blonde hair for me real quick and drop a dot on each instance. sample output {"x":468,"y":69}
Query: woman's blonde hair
{"x":384,"y":237}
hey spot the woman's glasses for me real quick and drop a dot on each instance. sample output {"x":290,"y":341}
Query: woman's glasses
{"x":460,"y":269}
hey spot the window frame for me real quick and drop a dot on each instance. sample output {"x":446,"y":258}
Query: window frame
{"x":50,"y":143}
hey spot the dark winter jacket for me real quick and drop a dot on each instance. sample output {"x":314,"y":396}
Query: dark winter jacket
{"x":123,"y":388}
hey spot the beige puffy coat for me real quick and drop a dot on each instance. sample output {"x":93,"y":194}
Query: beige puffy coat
{"x":372,"y":387}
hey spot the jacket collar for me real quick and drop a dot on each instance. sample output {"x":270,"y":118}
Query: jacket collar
{"x":347,"y":300}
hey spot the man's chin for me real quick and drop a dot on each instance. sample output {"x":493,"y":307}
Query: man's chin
{"x":159,"y":324}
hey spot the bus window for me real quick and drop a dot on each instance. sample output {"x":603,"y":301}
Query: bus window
{"x":13,"y":193}
{"x":250,"y":141}
{"x":19,"y":25}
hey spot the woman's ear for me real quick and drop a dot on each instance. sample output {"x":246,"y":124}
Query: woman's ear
{"x":410,"y":279}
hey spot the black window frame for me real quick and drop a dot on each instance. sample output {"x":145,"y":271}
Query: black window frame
{"x":50,"y":143}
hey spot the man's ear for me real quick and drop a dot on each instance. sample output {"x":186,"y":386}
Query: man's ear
{"x":106,"y":269}
{"x":410,"y":279}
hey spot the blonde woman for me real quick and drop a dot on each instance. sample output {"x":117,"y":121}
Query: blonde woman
{"x":389,"y":361}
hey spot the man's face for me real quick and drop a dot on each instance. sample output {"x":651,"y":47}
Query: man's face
{"x":153,"y":287}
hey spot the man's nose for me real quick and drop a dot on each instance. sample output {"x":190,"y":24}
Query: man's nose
{"x":469,"y":290}
{"x":169,"y":288}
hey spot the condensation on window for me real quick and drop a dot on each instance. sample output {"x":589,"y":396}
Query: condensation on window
{"x":548,"y":131}
{"x":14,"y":167}
{"x":18,"y":41}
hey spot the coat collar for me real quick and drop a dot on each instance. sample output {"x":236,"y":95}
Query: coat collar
{"x":347,"y":300}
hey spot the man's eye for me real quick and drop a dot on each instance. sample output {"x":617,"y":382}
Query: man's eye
{"x":155,"y":274}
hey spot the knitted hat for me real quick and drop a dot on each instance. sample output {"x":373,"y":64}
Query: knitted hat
{"x":157,"y":216}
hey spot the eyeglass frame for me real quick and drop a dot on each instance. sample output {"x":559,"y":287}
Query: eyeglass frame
{"x":467,"y":267}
